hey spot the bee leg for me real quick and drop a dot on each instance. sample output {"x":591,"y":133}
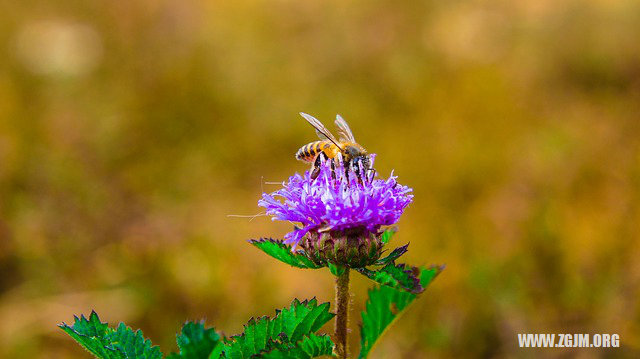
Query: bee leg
{"x":315,"y":170}
{"x":333,"y":169}
{"x":356,"y":169}
{"x":359,"y":173}
{"x":371,"y":173}
{"x":347,"y":164}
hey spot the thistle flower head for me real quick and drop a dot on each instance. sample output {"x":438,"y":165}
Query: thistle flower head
{"x":337,"y":205}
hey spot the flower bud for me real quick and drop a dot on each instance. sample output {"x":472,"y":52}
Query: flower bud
{"x":351,"y":247}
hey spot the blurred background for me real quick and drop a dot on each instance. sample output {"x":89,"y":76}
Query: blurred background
{"x":129,"y":131}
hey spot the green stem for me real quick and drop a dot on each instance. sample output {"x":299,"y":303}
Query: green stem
{"x":342,"y":303}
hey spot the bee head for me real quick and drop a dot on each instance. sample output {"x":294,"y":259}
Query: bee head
{"x":363,"y":160}
{"x":361,"y":164}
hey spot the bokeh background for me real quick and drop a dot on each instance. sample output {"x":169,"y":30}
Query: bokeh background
{"x":129,"y":131}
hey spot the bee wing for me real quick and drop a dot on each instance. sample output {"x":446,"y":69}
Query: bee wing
{"x":322,"y":136}
{"x":322,"y":131}
{"x":345,"y":131}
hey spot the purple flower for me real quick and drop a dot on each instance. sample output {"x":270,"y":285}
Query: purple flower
{"x":337,"y":201}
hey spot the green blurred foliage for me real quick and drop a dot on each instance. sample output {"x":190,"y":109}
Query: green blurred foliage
{"x":129,"y":131}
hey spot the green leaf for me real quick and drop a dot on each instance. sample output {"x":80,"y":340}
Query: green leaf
{"x":90,"y":334}
{"x":106,"y":343}
{"x":384,"y":306}
{"x":132,"y":344}
{"x":287,"y":328}
{"x":336,"y":270}
{"x":398,"y":276}
{"x":386,"y":236}
{"x":196,"y":342}
{"x":278,"y":250}
{"x":395,"y":254}
{"x":309,"y":347}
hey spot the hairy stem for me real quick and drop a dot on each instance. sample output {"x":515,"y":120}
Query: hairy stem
{"x":342,"y":304}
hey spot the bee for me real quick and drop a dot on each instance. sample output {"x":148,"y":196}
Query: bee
{"x":353,"y":155}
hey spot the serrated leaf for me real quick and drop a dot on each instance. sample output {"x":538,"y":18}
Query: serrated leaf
{"x":196,"y":342}
{"x":395,"y":254}
{"x":311,"y":346}
{"x":132,"y":344}
{"x":398,"y":276}
{"x":106,"y":343}
{"x":384,"y":306}
{"x":278,"y":250}
{"x":90,"y":333}
{"x":386,"y":236}
{"x":289,"y":326}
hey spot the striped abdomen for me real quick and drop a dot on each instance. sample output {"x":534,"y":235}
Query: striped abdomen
{"x":308,"y":152}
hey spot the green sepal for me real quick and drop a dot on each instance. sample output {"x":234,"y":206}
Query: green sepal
{"x":386,"y":235}
{"x":395,"y":254}
{"x":398,"y":276}
{"x":107,"y":343}
{"x":288,"y":327}
{"x":197,"y":342}
{"x":336,"y":270}
{"x":283,"y":252}
{"x":384,"y":305}
{"x":217,"y":352}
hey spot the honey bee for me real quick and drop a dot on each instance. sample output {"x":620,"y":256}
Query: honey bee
{"x":353,"y":155}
